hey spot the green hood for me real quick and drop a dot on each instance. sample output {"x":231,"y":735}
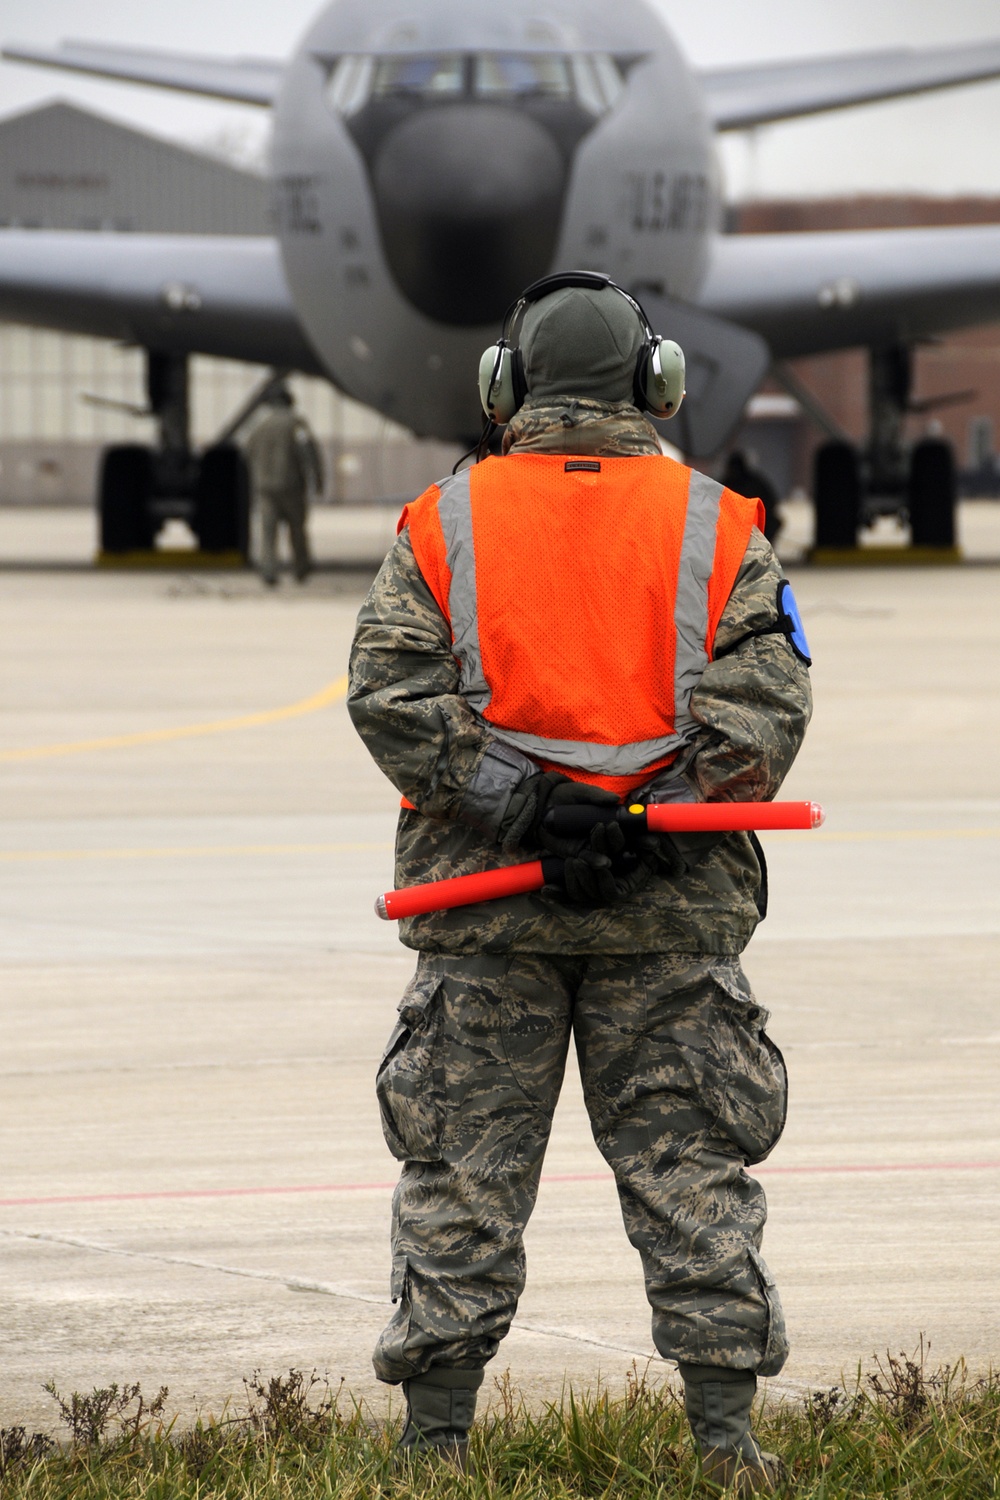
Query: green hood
{"x":581,"y":341}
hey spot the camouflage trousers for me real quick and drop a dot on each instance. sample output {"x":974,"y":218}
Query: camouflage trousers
{"x":275,"y":508}
{"x":683,"y":1088}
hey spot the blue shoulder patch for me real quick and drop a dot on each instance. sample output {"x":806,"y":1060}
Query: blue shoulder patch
{"x":791,"y":621}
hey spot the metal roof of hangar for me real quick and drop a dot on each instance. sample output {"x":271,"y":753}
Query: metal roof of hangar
{"x":63,"y":167}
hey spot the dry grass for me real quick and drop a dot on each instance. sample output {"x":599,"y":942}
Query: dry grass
{"x":901,"y":1431}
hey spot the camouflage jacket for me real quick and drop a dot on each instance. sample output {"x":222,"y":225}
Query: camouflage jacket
{"x":283,"y":455}
{"x":753,"y":704}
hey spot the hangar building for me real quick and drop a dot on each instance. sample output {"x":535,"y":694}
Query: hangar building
{"x":63,"y":167}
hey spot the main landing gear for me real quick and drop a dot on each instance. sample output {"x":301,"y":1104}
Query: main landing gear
{"x":918,"y":484}
{"x":142,"y":488}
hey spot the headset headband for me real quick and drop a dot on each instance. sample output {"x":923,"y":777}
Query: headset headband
{"x":594,"y":281}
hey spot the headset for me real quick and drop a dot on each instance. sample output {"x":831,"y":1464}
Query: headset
{"x":658,"y":386}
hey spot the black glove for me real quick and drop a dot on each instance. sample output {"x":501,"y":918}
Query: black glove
{"x":615,"y":864}
{"x":587,"y":880}
{"x":656,"y":850}
{"x":601,"y":868}
{"x":533,"y":799}
{"x":592,"y":879}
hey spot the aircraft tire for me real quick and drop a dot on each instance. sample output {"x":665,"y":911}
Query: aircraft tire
{"x":222,"y":501}
{"x":837,"y":494}
{"x":126,"y":487}
{"x":932,"y":492}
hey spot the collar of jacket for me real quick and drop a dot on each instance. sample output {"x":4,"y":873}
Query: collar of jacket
{"x":566,"y":424}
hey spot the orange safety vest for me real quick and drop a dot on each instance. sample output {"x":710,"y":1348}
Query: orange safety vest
{"x":583,"y":597}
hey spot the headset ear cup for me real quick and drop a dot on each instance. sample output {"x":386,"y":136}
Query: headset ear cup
{"x":497,"y":383}
{"x":663,"y":376}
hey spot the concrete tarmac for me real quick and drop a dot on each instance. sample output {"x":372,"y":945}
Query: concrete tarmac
{"x":196,"y":993}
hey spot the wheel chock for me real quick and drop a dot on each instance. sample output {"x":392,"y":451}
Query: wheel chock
{"x":884,"y":557}
{"x":176,"y":559}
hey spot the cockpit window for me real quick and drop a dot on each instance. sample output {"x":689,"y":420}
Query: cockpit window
{"x":506,"y":75}
{"x":592,"y":81}
{"x":349,"y":88}
{"x":599,"y":81}
{"x":429,"y":77}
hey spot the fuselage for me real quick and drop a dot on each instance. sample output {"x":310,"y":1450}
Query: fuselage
{"x":433,"y":158}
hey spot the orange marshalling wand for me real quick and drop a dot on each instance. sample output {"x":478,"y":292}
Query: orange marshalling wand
{"x":568,"y":822}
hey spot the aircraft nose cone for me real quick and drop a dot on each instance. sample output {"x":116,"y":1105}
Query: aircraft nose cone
{"x":469,"y":200}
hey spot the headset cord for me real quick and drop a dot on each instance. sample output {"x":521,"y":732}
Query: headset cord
{"x":481,"y":448}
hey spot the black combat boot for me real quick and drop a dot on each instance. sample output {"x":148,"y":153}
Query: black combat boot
{"x":441,"y":1405}
{"x":718,"y":1403}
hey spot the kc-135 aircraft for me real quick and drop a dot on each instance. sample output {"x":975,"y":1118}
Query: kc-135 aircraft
{"x":430,"y":159}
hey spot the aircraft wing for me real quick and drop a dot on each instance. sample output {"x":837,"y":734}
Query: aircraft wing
{"x":244,"y":80}
{"x":810,"y":293}
{"x":183,"y":294}
{"x":739,"y":98}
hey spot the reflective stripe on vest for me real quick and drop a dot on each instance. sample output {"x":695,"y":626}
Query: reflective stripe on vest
{"x":698,"y":561}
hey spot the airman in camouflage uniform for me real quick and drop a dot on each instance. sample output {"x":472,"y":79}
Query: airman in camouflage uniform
{"x":285,"y":466}
{"x":683,"y":1086}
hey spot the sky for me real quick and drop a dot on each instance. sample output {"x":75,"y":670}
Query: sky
{"x":942,"y":144}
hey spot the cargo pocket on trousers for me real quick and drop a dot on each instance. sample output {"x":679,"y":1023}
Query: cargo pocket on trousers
{"x":756,"y":1107}
{"x":781,"y":1112}
{"x":409,"y":1084}
{"x":776,"y":1340}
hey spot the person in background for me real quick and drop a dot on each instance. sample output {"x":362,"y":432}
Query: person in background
{"x":285,"y":466}
{"x":743,"y":477}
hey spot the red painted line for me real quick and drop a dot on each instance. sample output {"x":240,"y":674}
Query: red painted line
{"x":250,"y":1192}
{"x":907,"y":1166}
{"x":387,"y":1187}
{"x":922,"y":1166}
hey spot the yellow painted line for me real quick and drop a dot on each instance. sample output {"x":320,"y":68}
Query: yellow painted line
{"x":332,"y":693}
{"x":242,"y":851}
{"x":195,"y":851}
{"x":884,"y":556}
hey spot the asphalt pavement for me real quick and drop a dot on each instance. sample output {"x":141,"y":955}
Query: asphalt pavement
{"x":196,"y":991}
